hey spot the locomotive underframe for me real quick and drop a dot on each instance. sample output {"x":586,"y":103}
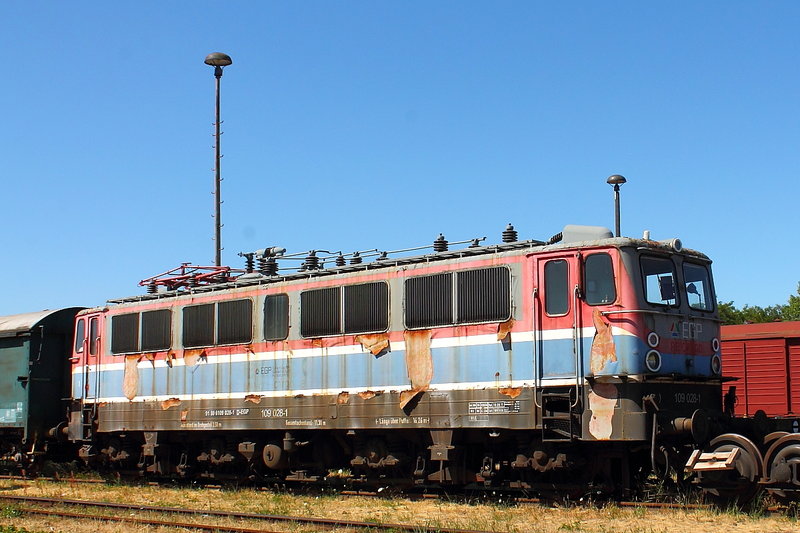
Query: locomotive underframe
{"x":556,"y":443}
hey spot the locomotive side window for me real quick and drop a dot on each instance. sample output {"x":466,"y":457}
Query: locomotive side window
{"x":366,"y":307}
{"x":276,"y":317}
{"x":698,"y":287}
{"x":658,"y":274}
{"x":556,"y":287}
{"x":429,"y":301}
{"x":93,"y":336}
{"x":320,"y":312}
{"x":80,"y":335}
{"x":198,"y":325}
{"x":125,"y":333}
{"x":598,"y":275}
{"x":156,"y":330}
{"x":235,"y":322}
{"x":484,"y":295}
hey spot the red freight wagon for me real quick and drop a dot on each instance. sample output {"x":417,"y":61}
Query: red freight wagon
{"x":766,"y":360}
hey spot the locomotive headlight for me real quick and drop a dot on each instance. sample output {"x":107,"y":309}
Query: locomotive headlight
{"x":652,"y":339}
{"x":716,"y":363}
{"x":715,"y":344}
{"x":653,"y":361}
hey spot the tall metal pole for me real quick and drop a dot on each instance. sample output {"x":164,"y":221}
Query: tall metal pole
{"x":616,"y":180}
{"x":218,"y":179}
{"x":217,"y":60}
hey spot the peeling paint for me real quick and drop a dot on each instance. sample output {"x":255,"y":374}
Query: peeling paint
{"x":343,"y":398}
{"x":130,"y":381}
{"x":171,"y":402}
{"x":511,"y":392}
{"x":407,"y":395}
{"x":368,"y":394}
{"x":603,"y":349}
{"x":171,"y":356}
{"x":254,"y":398}
{"x":602,"y":400}
{"x":504,"y":329}
{"x":419,"y":363}
{"x":191,"y":357}
{"x":374,"y":343}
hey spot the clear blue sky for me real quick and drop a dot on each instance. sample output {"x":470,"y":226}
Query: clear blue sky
{"x":356,"y":125}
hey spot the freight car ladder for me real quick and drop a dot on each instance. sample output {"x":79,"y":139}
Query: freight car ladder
{"x":559,"y":422}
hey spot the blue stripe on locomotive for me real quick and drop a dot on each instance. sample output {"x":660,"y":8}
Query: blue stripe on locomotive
{"x":340,"y":372}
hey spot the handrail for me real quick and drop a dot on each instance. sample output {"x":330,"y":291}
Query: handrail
{"x":575,"y":349}
{"x":536,"y":372}
{"x":650,"y":311}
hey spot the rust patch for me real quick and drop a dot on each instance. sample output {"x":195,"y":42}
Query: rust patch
{"x":504,"y":329}
{"x":367,"y":394}
{"x":253,"y":398}
{"x":511,"y":392}
{"x":191,"y":357}
{"x":130,"y":380}
{"x":375,"y":343}
{"x":184,"y":415}
{"x":171,"y":402}
{"x":316,"y":343}
{"x":603,"y":349}
{"x":343,"y":398}
{"x":407,"y":395}
{"x":151,"y":357}
{"x":171,"y":356}
{"x":419,"y":362}
{"x":602,"y":400}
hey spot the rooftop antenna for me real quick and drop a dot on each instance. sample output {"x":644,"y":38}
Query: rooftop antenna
{"x":218,"y":60}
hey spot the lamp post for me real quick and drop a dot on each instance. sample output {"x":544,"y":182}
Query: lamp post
{"x":616,"y":180}
{"x":217,"y":60}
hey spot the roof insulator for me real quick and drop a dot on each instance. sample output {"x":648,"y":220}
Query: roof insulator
{"x":440,"y":244}
{"x":340,"y":262}
{"x":510,"y":234}
{"x":356,"y":259}
{"x":311,"y":261}
{"x":383,"y":256}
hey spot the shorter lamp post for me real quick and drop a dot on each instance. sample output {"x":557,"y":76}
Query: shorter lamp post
{"x":616,"y":180}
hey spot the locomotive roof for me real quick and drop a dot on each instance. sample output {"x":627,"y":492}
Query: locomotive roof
{"x":508,"y":249}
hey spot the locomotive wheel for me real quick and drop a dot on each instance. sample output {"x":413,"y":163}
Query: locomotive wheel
{"x":782,"y":462}
{"x":738,"y":486}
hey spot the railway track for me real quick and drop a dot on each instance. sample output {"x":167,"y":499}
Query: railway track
{"x":326,"y":523}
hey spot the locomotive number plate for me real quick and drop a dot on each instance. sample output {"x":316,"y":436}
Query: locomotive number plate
{"x":687,"y":397}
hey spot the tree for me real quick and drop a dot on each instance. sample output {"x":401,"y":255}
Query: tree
{"x":748,"y":314}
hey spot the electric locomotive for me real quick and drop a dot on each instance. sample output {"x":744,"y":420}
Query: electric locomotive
{"x":582,"y":363}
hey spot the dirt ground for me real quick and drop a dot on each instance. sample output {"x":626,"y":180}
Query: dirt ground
{"x":437,"y":513}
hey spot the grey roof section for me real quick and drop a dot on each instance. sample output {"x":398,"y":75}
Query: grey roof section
{"x":13,"y":325}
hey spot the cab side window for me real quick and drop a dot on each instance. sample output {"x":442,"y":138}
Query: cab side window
{"x":556,"y":287}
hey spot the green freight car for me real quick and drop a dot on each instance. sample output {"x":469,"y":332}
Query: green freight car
{"x":34,"y":378}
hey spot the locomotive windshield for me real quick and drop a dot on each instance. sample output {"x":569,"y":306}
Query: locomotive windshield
{"x":659,"y":280}
{"x":698,"y":287}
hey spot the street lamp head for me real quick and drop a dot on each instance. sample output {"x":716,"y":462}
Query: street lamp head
{"x":218,"y":59}
{"x":616,"y":179}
